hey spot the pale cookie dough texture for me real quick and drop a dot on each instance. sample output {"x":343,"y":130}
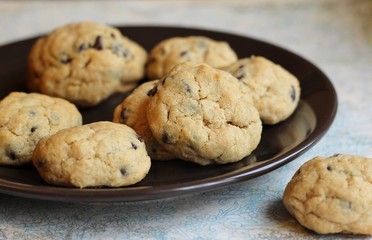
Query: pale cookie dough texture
{"x":93,"y":155}
{"x":26,"y":118}
{"x":275,"y":91}
{"x":85,"y":63}
{"x":332,"y":195}
{"x":133,"y":112}
{"x":204,"y":115}
{"x":199,"y":49}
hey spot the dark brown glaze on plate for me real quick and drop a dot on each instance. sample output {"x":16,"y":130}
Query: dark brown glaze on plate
{"x":279,"y":145}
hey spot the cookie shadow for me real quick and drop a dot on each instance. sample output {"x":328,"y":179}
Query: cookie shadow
{"x":287,"y":223}
{"x":282,"y":218}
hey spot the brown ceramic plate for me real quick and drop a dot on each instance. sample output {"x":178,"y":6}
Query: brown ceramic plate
{"x":279,"y":145}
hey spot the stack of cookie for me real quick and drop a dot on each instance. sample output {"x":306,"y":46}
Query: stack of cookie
{"x":204,"y":104}
{"x":200,"y":104}
{"x":78,"y":64}
{"x":197,"y":113}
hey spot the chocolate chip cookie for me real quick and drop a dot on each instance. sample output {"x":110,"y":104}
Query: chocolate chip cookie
{"x":26,"y":118}
{"x":93,"y":155}
{"x":332,"y":195}
{"x":275,"y":91}
{"x":199,"y":49}
{"x":204,"y":115}
{"x":85,"y":63}
{"x":133,"y":112}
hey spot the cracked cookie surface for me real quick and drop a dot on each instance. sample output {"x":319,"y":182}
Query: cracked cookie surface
{"x":332,"y":195}
{"x":85,"y":63}
{"x":199,"y":49}
{"x":133,"y":112}
{"x":204,"y":115}
{"x":275,"y":91}
{"x":92,"y":155}
{"x":26,"y":118}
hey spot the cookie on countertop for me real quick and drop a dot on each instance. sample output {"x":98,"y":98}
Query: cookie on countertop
{"x":332,"y":195}
{"x":93,"y":155}
{"x":85,"y":63}
{"x":199,"y":49}
{"x":26,"y":118}
{"x":133,"y":112}
{"x":275,"y":91}
{"x":204,"y":115}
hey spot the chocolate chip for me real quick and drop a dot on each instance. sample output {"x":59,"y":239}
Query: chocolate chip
{"x":134,"y":146}
{"x":123,"y":114}
{"x":166,"y":138}
{"x":183,"y":53}
{"x":82,"y":47}
{"x":32,"y":113}
{"x":11,"y":154}
{"x":123,"y":171}
{"x":117,"y":48}
{"x":33,"y":129}
{"x":126,"y":53}
{"x":187,"y":88}
{"x":139,"y":138}
{"x":349,"y":204}
{"x":112,"y":35}
{"x":293,"y":93}
{"x":152,"y":91}
{"x":163,"y":81}
{"x":98,"y":44}
{"x":240,"y":75}
{"x":329,"y":168}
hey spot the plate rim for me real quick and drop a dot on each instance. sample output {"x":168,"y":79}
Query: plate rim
{"x":136,"y":193}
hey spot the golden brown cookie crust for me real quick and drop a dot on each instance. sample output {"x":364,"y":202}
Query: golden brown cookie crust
{"x":199,"y":49}
{"x":332,"y":195}
{"x":204,"y":115}
{"x":133,"y":112}
{"x":84,"y":63}
{"x":26,"y":118}
{"x":275,"y":91}
{"x":92,"y":155}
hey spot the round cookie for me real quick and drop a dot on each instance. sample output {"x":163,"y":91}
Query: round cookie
{"x":85,"y":63}
{"x":332,"y":195}
{"x":199,"y":49}
{"x":26,"y":118}
{"x":204,"y":115}
{"x":93,"y":155}
{"x":132,"y":112}
{"x":275,"y":91}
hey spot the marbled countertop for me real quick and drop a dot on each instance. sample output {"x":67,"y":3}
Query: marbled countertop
{"x":335,"y":35}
